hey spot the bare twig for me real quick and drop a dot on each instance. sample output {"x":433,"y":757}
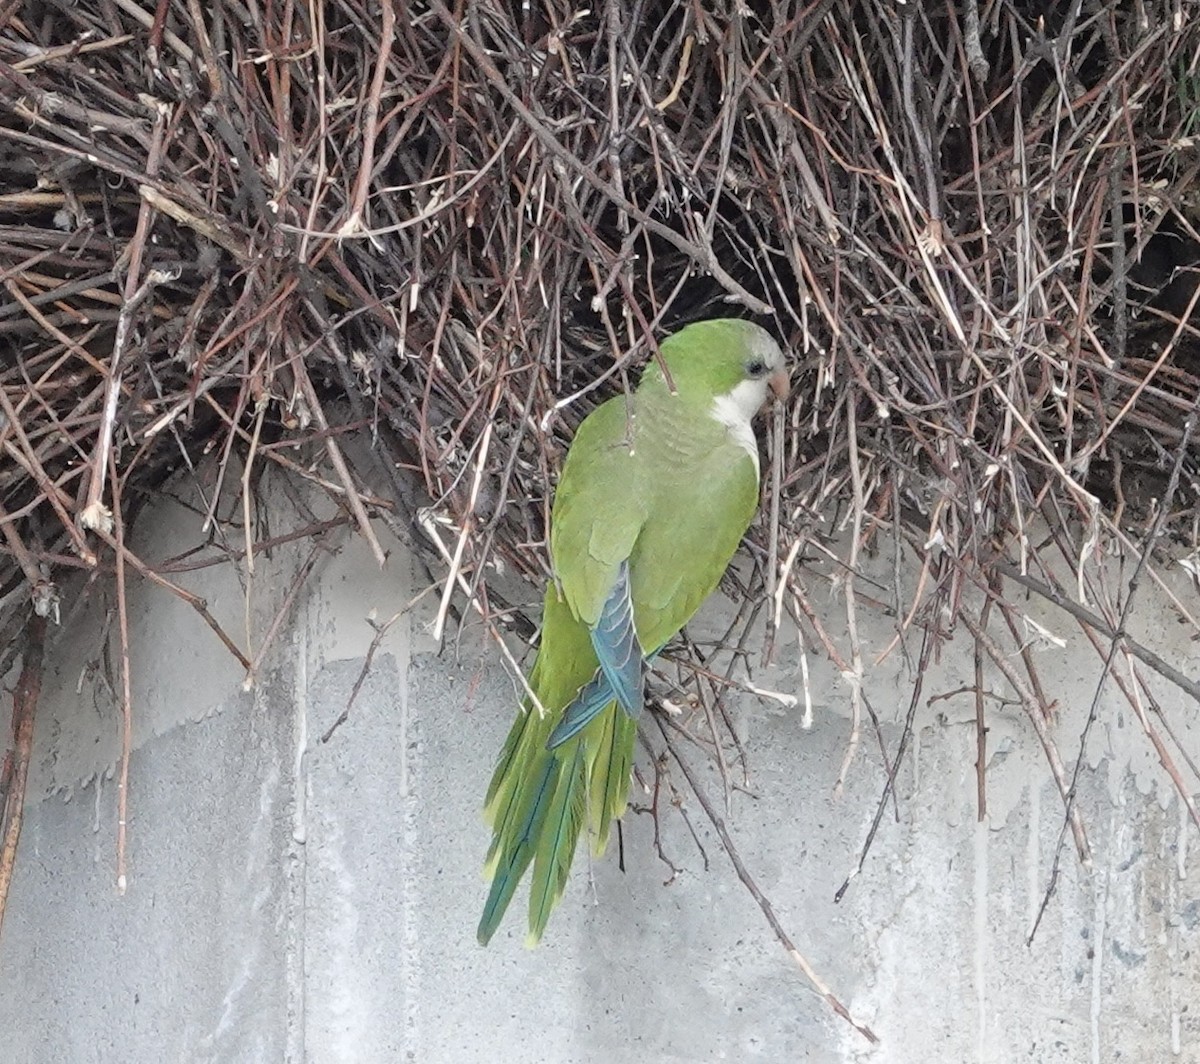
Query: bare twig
{"x":818,"y":984}
{"x":25,"y":700}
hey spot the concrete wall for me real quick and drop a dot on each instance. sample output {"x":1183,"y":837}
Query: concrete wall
{"x":316,"y":902}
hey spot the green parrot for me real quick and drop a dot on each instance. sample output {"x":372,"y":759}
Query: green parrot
{"x":655,"y":496}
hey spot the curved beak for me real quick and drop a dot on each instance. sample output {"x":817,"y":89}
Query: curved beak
{"x":779,"y":382}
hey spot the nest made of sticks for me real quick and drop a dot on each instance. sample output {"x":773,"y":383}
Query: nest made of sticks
{"x":452,"y":228}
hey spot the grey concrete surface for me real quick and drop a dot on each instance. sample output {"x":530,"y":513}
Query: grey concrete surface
{"x":297,"y":900}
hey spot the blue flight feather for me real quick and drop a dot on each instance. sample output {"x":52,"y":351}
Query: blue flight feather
{"x":617,"y":648}
{"x":591,"y":700}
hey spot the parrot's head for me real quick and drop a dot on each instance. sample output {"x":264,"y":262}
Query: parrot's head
{"x":727,"y":362}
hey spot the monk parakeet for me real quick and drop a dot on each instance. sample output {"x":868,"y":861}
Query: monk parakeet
{"x":655,"y":495}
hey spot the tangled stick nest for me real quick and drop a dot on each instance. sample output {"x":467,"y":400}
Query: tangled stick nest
{"x":452,"y":228}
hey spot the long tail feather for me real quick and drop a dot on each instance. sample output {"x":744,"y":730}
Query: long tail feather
{"x":504,"y":779}
{"x":608,"y":780}
{"x":539,"y":796}
{"x":538,"y":812}
{"x":514,"y":852}
{"x":556,"y":846}
{"x":511,"y":787}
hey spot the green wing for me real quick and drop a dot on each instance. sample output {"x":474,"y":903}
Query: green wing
{"x":599,"y":508}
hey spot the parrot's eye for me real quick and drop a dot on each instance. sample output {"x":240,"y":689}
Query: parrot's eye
{"x":756,"y":368}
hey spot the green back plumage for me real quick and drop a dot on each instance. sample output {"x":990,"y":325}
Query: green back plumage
{"x":657,"y":481}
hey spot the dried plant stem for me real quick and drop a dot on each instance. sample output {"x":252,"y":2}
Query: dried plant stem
{"x":195,"y":601}
{"x":126,"y":691}
{"x":855,"y":674}
{"x":136,"y":291}
{"x":353,"y":499}
{"x":460,"y":548}
{"x":1037,"y":717}
{"x":25,"y":700}
{"x":295,"y":586}
{"x":778,"y":423}
{"x":381,"y":630}
{"x":1091,"y":619}
{"x":760,"y":899}
{"x":431,"y":531}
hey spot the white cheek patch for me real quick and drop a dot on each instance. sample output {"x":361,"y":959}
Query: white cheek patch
{"x":736,"y":409}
